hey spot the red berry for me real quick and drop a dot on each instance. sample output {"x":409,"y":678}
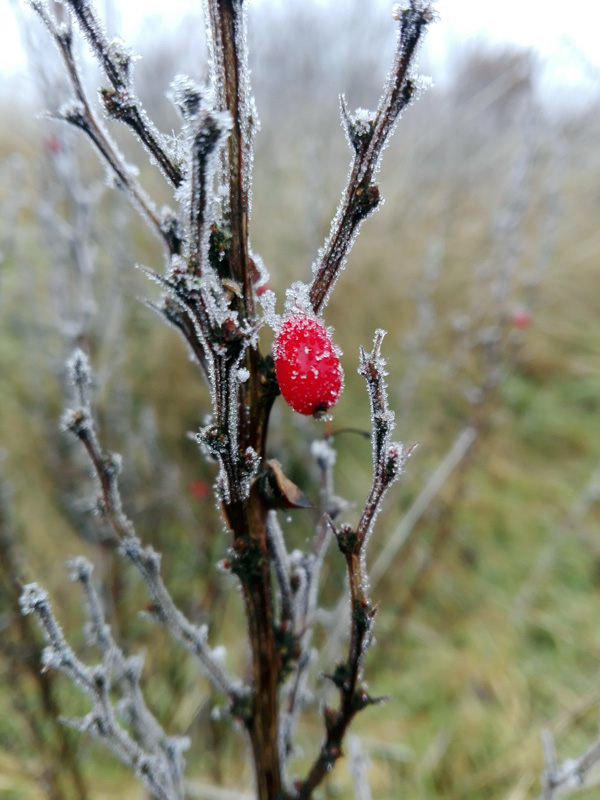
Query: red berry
{"x":521,"y":317}
{"x":52,"y":144}
{"x":199,"y":489}
{"x":307,"y":365}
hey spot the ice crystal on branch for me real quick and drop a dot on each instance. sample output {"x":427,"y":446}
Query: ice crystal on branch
{"x":33,"y":598}
{"x":388,"y":456}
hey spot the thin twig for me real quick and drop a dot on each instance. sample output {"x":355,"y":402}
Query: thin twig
{"x":107,"y":467}
{"x":388,"y":461}
{"x":101,"y":722}
{"x":122,"y":103}
{"x":281,"y":563}
{"x":368,"y":133}
{"x":80,"y":115}
{"x":127,"y":673}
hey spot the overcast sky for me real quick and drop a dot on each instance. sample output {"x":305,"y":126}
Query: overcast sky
{"x":564,"y":34}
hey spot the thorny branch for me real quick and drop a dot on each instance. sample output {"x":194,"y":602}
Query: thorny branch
{"x":368,"y":134}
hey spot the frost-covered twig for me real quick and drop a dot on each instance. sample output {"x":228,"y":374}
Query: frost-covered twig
{"x":208,"y":129}
{"x":79,"y":113}
{"x":126,"y":673}
{"x":388,"y":456}
{"x":568,"y":776}
{"x":281,"y":564}
{"x":162,"y":776}
{"x":368,"y":133}
{"x":107,"y":467}
{"x":388,"y":461}
{"x":230,"y":77}
{"x":122,"y":102}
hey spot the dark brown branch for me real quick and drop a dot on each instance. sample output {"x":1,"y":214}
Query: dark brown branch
{"x":246,"y":514}
{"x":227,"y":27}
{"x":347,"y":675}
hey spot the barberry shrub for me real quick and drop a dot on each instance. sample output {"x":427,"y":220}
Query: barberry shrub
{"x":214,"y":294}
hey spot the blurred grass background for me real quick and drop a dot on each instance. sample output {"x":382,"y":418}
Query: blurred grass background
{"x":483,"y":266}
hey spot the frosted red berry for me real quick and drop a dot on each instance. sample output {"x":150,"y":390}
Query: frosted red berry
{"x":307,"y":365}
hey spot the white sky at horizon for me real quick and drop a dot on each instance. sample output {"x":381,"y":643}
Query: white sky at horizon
{"x":565,"y":41}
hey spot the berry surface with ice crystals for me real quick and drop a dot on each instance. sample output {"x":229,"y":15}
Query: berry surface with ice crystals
{"x":307,"y":365}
